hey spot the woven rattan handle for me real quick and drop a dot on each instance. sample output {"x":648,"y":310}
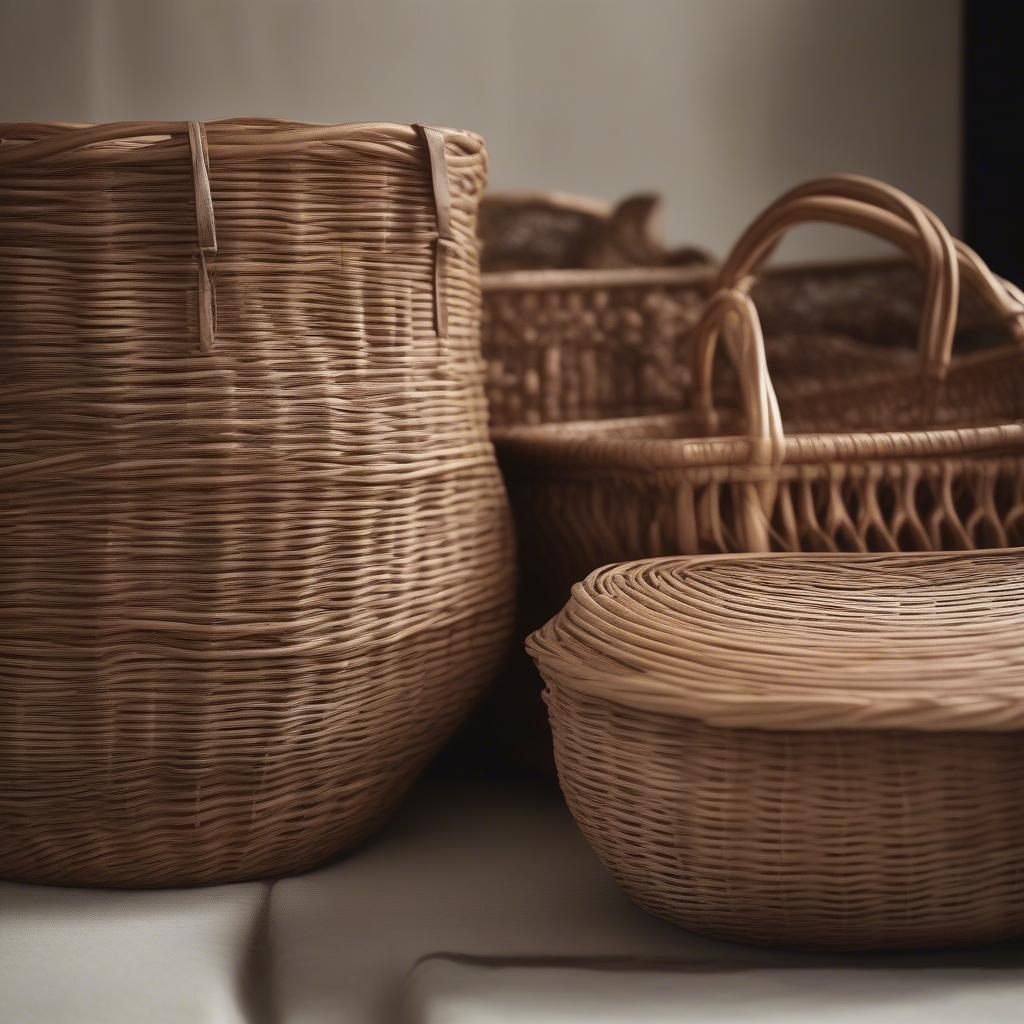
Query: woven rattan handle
{"x":863,"y":203}
{"x":930,"y":251}
{"x":880,"y":209}
{"x":730,"y":311}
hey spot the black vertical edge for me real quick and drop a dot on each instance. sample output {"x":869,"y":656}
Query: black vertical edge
{"x":993,"y":133}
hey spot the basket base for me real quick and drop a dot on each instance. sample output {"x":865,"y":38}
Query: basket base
{"x":179,"y":858}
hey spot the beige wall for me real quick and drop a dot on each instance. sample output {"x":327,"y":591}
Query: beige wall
{"x":719,"y":104}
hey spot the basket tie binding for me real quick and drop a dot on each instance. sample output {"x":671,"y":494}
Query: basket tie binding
{"x":434,"y":138}
{"x":206,"y":233}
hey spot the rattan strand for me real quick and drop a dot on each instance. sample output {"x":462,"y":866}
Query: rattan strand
{"x":813,"y":750}
{"x":254,"y":570}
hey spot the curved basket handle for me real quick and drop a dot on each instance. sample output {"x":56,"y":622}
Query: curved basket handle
{"x":857,"y":202}
{"x":902,"y":221}
{"x":732,"y":311}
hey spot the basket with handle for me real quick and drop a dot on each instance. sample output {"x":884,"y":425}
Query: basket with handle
{"x":256,"y":556}
{"x":926,"y":458}
{"x":586,"y":315}
{"x":815,"y":750}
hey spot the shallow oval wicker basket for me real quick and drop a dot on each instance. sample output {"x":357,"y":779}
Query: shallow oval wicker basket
{"x":255,"y":557}
{"x":815,"y":750}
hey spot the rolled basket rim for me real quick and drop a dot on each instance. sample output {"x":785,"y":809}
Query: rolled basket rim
{"x":591,"y":445}
{"x":916,"y":708}
{"x":139,"y":141}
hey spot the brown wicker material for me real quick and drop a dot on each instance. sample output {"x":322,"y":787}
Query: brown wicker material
{"x":815,"y":750}
{"x":256,"y":555}
{"x":583,"y":309}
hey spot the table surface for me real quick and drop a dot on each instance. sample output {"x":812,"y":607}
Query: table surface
{"x":481,"y":902}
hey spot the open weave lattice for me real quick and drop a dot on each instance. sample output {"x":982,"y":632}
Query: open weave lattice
{"x":817,"y":750}
{"x":254,"y":548}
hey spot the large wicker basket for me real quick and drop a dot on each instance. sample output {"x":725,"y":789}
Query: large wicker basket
{"x":255,"y":557}
{"x":816,"y":750}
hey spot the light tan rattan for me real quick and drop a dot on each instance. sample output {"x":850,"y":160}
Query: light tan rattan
{"x":255,"y":555}
{"x":814,"y":750}
{"x":935,"y":463}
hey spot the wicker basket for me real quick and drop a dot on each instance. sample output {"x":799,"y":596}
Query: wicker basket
{"x":922,"y":457}
{"x":824,"y":751}
{"x":583,"y":309}
{"x":587,"y":316}
{"x":256,"y":552}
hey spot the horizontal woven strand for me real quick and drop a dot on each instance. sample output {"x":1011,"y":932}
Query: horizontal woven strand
{"x":826,"y":840}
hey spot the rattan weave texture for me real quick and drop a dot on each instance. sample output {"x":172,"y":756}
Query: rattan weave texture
{"x":922,"y":458}
{"x":583,"y":308}
{"x":255,"y":554}
{"x":814,"y":750}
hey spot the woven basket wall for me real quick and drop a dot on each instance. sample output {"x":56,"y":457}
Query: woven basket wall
{"x":583,"y":309}
{"x":255,"y":556}
{"x":814,"y":750}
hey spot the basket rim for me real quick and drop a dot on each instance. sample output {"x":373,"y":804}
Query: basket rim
{"x":569,"y":278}
{"x":665,"y":663}
{"x":675,"y":441}
{"x":142,"y":141}
{"x":547,"y":445}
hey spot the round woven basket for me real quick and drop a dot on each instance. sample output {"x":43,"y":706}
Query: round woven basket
{"x":255,"y":557}
{"x":823,"y":751}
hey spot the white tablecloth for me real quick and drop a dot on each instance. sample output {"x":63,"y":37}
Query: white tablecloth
{"x":480,"y":870}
